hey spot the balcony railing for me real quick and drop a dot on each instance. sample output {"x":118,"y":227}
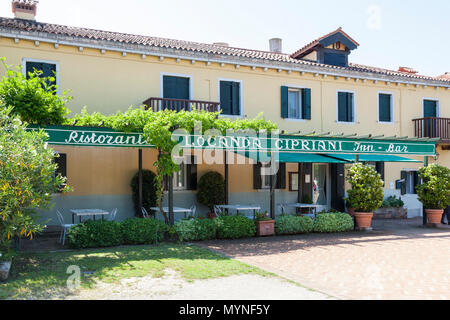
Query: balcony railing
{"x":157,"y":104}
{"x":433,"y":127}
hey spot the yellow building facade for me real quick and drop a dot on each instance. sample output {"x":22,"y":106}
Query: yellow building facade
{"x":110,"y":75}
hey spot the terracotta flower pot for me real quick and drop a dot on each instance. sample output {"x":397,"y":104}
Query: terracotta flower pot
{"x":434,"y":215}
{"x":265,"y":228}
{"x":364,"y":220}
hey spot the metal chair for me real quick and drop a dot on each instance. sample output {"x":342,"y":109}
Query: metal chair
{"x":64,"y":226}
{"x":217,"y":211}
{"x":112,"y":215}
{"x":194,"y":211}
{"x":144,"y":213}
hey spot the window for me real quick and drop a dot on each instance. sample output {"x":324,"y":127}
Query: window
{"x":186,"y":177}
{"x":263,"y":181}
{"x":230,"y":97}
{"x":293,"y":181}
{"x":295,"y":103}
{"x":335,"y":59}
{"x":179,"y":178}
{"x":48,"y":70}
{"x":385,"y":107}
{"x":176,"y":87}
{"x":346,"y":107}
{"x":410,"y":180}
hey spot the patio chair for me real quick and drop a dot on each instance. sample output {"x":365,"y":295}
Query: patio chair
{"x":64,"y":227}
{"x":144,"y":213}
{"x":194,"y":211}
{"x":217,"y":211}
{"x":112,"y":215}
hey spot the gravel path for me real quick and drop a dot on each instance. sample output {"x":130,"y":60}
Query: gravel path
{"x":172,"y":287}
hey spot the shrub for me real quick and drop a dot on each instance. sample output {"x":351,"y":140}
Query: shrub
{"x":235,"y":227}
{"x":333,"y":222}
{"x":148,"y":191}
{"x":366,"y":194}
{"x":142,"y":231}
{"x":94,"y":234}
{"x":211,"y":190}
{"x":434,"y":192}
{"x":293,"y":225}
{"x":196,"y":229}
{"x":393,"y":202}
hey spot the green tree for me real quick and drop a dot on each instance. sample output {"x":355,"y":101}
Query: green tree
{"x":434,"y":192}
{"x":27,"y":178}
{"x":211,"y":190}
{"x":35,"y":99}
{"x":366,"y":194}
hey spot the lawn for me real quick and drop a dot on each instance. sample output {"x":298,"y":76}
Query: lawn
{"x":44,"y":275}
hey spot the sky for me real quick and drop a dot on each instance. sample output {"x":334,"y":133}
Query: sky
{"x":391,"y":33}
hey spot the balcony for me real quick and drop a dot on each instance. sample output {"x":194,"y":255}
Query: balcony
{"x":433,"y":127}
{"x":158,"y":104}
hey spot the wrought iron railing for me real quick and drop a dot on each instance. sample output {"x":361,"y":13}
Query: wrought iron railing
{"x":157,"y":104}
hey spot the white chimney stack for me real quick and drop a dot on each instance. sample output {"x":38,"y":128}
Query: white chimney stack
{"x":24,"y":9}
{"x":276,"y":45}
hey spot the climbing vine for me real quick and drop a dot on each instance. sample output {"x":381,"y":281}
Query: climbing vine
{"x":157,"y":128}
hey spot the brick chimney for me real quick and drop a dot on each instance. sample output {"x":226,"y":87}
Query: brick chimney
{"x":24,"y":9}
{"x":407,"y":70}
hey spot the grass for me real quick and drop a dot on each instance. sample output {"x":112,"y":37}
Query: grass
{"x":44,"y":275}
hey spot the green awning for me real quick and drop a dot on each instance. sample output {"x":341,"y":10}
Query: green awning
{"x":372,"y":158}
{"x":292,"y":157}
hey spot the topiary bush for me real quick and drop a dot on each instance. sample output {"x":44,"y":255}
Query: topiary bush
{"x":148,"y":191}
{"x":94,"y":234}
{"x":366,"y":194}
{"x":234,"y":227}
{"x":142,"y":231}
{"x":293,"y":225}
{"x":196,"y":229}
{"x":434,"y":192}
{"x":333,"y":222}
{"x":211,"y":190}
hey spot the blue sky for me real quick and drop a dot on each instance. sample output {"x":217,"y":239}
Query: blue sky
{"x":391,"y":33}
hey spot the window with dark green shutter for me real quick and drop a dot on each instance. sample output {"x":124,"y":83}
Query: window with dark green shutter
{"x":230,"y":98}
{"x":295,"y":103}
{"x":345,"y":107}
{"x":176,"y":88}
{"x":48,"y":70}
{"x":384,"y":107}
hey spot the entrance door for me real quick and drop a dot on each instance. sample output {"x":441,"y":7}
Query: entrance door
{"x":176,"y":88}
{"x":430,"y":128}
{"x":320,"y":184}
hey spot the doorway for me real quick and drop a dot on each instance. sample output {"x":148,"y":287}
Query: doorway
{"x":321,"y":185}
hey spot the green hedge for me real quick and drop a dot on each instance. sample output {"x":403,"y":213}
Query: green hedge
{"x":142,"y":231}
{"x":293,"y":225}
{"x":94,"y":234}
{"x":196,"y":229}
{"x":235,"y":227}
{"x":333,"y":222}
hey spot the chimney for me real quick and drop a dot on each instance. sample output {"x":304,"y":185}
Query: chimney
{"x":407,"y":70}
{"x":24,"y":9}
{"x":276,"y":45}
{"x":221,"y":44}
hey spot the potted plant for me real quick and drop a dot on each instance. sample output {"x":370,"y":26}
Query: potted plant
{"x":350,"y":210}
{"x":392,"y":208}
{"x":366,"y":194}
{"x":265,"y":226}
{"x":211,"y":191}
{"x":434,"y":192}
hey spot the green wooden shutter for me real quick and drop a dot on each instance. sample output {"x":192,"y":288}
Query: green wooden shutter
{"x":416,"y":181}
{"x":379,"y":167}
{"x":306,"y":104}
{"x":225,"y":97}
{"x":284,"y":102}
{"x":191,"y":175}
{"x":281,"y":176}
{"x":350,"y":107}
{"x":236,"y":98}
{"x":384,"y":107}
{"x":342,"y":106}
{"x":403,"y":176}
{"x":429,"y":108}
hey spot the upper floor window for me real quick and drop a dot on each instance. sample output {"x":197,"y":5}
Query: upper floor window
{"x":230,"y":97}
{"x":48,"y":69}
{"x":295,"y":103}
{"x":335,"y":59}
{"x":176,"y":88}
{"x":346,"y":106}
{"x":385,"y":108}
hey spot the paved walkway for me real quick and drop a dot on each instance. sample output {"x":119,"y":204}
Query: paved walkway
{"x":398,"y":260}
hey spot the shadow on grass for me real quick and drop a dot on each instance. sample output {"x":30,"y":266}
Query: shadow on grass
{"x":44,"y":275}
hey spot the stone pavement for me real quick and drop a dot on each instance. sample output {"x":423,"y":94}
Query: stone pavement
{"x":398,"y":260}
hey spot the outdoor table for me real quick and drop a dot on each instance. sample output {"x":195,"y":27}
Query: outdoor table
{"x":88,"y":212}
{"x":175,"y":210}
{"x":313,"y":207}
{"x":239,"y":207}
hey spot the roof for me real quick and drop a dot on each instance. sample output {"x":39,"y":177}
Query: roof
{"x":123,"y":41}
{"x":312,"y":44}
{"x":30,"y":2}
